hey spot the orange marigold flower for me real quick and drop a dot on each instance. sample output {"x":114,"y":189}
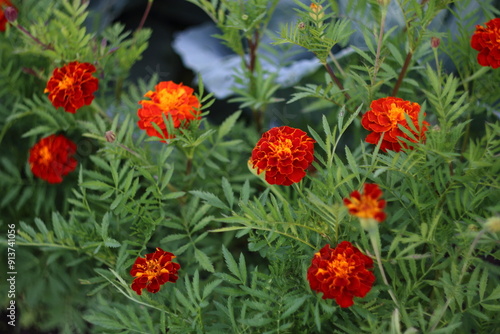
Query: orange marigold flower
{"x":3,"y":20}
{"x":283,"y":153}
{"x":383,"y":118}
{"x":341,"y":273}
{"x":52,"y":158}
{"x":368,"y":204}
{"x":154,"y":270}
{"x":487,"y":42}
{"x":175,"y":101}
{"x":72,"y":86}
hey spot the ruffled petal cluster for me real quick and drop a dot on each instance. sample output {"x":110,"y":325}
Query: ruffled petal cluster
{"x":283,"y":154}
{"x":154,"y":270}
{"x":384,"y":117}
{"x":341,"y":273}
{"x":52,"y":158}
{"x":368,"y":204}
{"x":487,"y":42}
{"x":175,"y":101}
{"x":72,"y":86}
{"x":3,"y":20}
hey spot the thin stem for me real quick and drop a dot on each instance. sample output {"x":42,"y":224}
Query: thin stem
{"x":374,"y":235}
{"x":336,"y":80}
{"x":253,"y":44}
{"x":402,"y":73}
{"x":27,"y":33}
{"x":462,"y":274}
{"x":257,"y":116}
{"x":189,"y":165}
{"x":145,"y":15}
{"x":130,"y":150}
{"x":337,"y":65}
{"x":379,"y":44}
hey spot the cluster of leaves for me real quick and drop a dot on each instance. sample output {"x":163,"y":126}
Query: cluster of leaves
{"x":244,"y":246}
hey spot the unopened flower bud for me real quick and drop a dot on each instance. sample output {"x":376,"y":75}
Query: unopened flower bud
{"x":244,"y":17}
{"x":301,"y":25}
{"x":110,"y":136}
{"x":317,"y":11}
{"x":384,"y":3}
{"x":493,"y":224}
{"x":10,"y":14}
{"x":435,"y":42}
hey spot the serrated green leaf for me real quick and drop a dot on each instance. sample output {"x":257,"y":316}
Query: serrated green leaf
{"x":203,"y":260}
{"x":228,"y":124}
{"x":231,"y":263}
{"x":207,"y":290}
{"x":210,"y":199}
{"x":228,"y":192}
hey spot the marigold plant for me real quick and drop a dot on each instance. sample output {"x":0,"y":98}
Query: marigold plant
{"x":72,"y":86}
{"x":341,"y":273}
{"x":384,"y":117}
{"x":154,"y":270}
{"x":170,"y":100}
{"x":283,"y":154}
{"x":51,"y":158}
{"x":487,"y":42}
{"x":285,"y":90}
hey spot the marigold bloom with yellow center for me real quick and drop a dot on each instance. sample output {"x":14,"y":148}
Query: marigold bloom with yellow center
{"x":283,"y":154}
{"x":3,"y":20}
{"x":72,"y":86}
{"x":175,"y":101}
{"x":341,"y":273}
{"x":154,"y":270}
{"x":487,"y":42}
{"x":384,"y":117}
{"x":52,"y":158}
{"x":368,"y":204}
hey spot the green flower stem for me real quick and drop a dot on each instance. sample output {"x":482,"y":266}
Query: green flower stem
{"x":374,"y":235}
{"x":462,"y":274}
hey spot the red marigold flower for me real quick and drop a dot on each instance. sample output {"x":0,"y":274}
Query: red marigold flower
{"x":175,"y":101}
{"x":283,"y":153}
{"x":154,"y":270}
{"x":487,"y":42}
{"x":383,"y":118}
{"x":72,"y":86}
{"x":3,"y":20}
{"x":341,"y":273}
{"x":368,"y":204}
{"x":52,"y":158}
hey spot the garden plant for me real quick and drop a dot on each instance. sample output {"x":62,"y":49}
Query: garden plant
{"x":364,"y":199}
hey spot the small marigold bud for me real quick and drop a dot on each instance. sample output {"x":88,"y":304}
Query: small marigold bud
{"x":384,"y":2}
{"x":435,"y":42}
{"x":244,"y":17}
{"x":301,"y":25}
{"x":493,"y":224}
{"x":10,"y":14}
{"x":110,"y":136}
{"x":317,"y":11}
